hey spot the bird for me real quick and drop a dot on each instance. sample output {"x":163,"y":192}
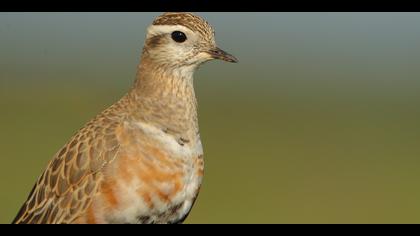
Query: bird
{"x":139,"y":161}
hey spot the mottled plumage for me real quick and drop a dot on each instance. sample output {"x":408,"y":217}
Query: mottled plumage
{"x":140,"y":160}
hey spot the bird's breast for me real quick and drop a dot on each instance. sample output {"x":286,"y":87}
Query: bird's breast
{"x":184,"y":147}
{"x":154,"y":179}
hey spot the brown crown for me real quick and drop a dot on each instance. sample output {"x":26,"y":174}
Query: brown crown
{"x":189,"y":20}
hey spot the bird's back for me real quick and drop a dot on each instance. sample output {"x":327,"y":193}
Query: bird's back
{"x":73,"y":175}
{"x":117,"y":170}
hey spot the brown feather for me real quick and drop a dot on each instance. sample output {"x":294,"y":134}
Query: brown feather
{"x":77,"y":183}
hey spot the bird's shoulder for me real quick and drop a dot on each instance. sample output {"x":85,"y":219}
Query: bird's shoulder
{"x":72,"y":176}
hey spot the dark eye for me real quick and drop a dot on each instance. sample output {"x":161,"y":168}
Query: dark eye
{"x":179,"y":36}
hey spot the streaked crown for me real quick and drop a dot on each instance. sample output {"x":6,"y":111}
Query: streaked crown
{"x":189,"y":20}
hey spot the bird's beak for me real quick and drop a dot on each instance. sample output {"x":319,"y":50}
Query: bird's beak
{"x":218,"y":53}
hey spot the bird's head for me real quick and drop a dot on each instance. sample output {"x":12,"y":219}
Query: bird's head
{"x":180,"y":40}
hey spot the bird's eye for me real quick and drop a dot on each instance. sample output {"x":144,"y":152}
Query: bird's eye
{"x":179,"y":36}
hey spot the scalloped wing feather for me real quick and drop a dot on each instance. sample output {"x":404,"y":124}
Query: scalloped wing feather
{"x":66,"y":188}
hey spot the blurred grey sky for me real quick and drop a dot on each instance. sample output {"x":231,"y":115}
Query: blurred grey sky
{"x":377,"y":47}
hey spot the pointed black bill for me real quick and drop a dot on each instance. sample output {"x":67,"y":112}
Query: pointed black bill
{"x":218,"y":53}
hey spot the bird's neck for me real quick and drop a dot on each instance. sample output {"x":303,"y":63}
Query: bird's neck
{"x":164,"y":96}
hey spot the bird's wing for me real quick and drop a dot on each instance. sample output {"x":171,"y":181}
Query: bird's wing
{"x":65,"y":189}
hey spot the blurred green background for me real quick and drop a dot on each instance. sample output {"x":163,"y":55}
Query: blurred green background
{"x":318,"y":123}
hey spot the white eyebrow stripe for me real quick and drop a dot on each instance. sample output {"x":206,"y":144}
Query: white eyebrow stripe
{"x":164,"y":29}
